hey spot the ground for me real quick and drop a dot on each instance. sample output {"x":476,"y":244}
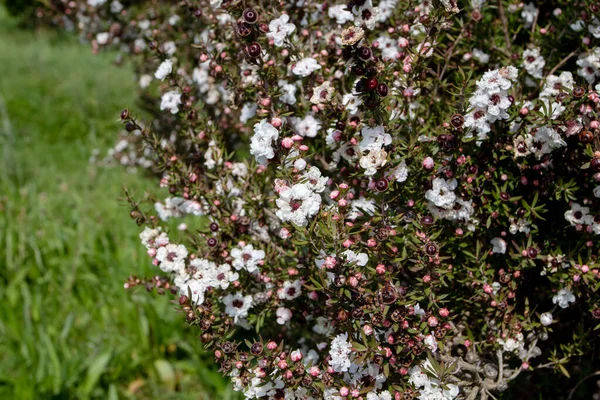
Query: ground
{"x":68,"y":329}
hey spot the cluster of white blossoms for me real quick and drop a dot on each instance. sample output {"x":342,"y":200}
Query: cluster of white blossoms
{"x":490,"y":101}
{"x":533,"y":62}
{"x":164,"y":69}
{"x":371,"y":147}
{"x":340,"y":351}
{"x":589,"y":65}
{"x":177,"y":207}
{"x":279,"y":29}
{"x":298,"y":203}
{"x":563,"y":298}
{"x":443,"y":202}
{"x":305,"y":67}
{"x":431,"y":388}
{"x":261,"y":144}
{"x":171,"y":101}
{"x":580,"y":215}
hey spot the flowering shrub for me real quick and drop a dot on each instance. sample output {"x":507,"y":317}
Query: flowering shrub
{"x":380,"y":200}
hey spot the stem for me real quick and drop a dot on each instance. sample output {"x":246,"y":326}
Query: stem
{"x":504,"y":24}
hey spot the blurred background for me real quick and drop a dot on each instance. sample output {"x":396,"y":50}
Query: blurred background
{"x":68,"y":329}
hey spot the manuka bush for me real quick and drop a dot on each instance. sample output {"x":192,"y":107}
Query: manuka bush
{"x":382,"y":200}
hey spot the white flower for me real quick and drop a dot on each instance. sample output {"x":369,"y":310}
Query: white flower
{"x":557,"y":84}
{"x":148,"y":235}
{"x":512,"y":344}
{"x":305,"y":67}
{"x":563,"y":298}
{"x":247,"y":258}
{"x":383,"y":395}
{"x":172,"y":257}
{"x":315,"y":180}
{"x":594,"y":28}
{"x":145,"y":81}
{"x":308,"y":126}
{"x":237,"y":306}
{"x":480,"y":56}
{"x":389,"y":47}
{"x":578,"y":214}
{"x":400,"y":173}
{"x":279,"y":29}
{"x":442,"y":193}
{"x":340,"y":353}
{"x":224,"y":276}
{"x":359,"y":259}
{"x":297,"y":204}
{"x":529,"y":14}
{"x":170,"y":48}
{"x":322,"y":93}
{"x":171,"y":101}
{"x":373,"y":160}
{"x":546,"y":318}
{"x":248,"y":112}
{"x":340,"y":13}
{"x":597,"y":192}
{"x":431,"y":343}
{"x":283,"y":315}
{"x":533,"y":62}
{"x":288,"y":91}
{"x":351,"y":102}
{"x":499,"y":245}
{"x":290,"y":290}
{"x":590,"y":65}
{"x":260,"y":143}
{"x":164,"y":69}
{"x":374,"y":138}
{"x":102,"y":38}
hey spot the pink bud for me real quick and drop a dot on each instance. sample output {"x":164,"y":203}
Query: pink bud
{"x":282,"y":364}
{"x":467,"y":343}
{"x":342,"y":203}
{"x":353,"y":281}
{"x":296,"y":356}
{"x":380,"y":269}
{"x":271,"y":345}
{"x":444,"y":312}
{"x":432,"y":321}
{"x":334,"y":194}
{"x":368,"y":330}
{"x":428,"y":163}
{"x":314,"y":371}
{"x":371,"y":242}
{"x":151,"y":252}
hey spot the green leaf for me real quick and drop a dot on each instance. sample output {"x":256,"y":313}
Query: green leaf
{"x":94,"y":372}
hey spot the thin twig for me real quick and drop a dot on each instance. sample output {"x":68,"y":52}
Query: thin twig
{"x":504,"y":24}
{"x":563,"y":61}
{"x":580,"y":382}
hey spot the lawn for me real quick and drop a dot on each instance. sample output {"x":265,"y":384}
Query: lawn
{"x":68,"y":329}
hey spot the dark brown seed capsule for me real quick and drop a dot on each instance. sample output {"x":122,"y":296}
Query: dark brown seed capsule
{"x":372,"y":84}
{"x":431,"y":249}
{"x":253,"y":50}
{"x":214,"y":226}
{"x":364,"y":53}
{"x":256,"y":349}
{"x":381,"y":185}
{"x":211,"y":242}
{"x":382,"y":89}
{"x":457,"y":121}
{"x":250,"y":16}
{"x":578,"y":92}
{"x":388,"y":295}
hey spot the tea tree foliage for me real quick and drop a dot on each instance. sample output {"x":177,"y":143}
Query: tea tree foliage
{"x":397,"y":199}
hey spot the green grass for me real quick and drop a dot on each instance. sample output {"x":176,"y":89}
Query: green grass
{"x":68,"y":329}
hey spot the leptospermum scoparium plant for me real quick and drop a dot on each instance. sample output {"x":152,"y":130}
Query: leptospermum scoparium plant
{"x":397,"y":199}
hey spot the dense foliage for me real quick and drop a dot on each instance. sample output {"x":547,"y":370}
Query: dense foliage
{"x":392,"y":200}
